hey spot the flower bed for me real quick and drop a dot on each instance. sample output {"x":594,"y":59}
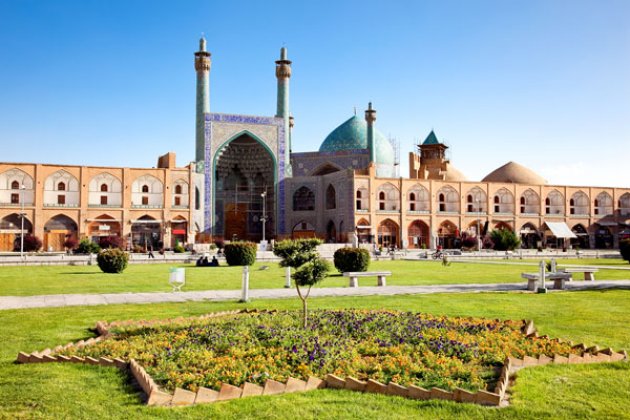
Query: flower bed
{"x":403,"y":347}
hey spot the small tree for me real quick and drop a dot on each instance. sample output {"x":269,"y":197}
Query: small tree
{"x":31,"y":243}
{"x":240,"y":253}
{"x":504,"y":240}
{"x":624,"y":248}
{"x":351,"y":259}
{"x":310,"y":269}
{"x":111,"y":241}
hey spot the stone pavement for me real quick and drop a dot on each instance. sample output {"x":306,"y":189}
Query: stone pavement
{"x":24,"y":302}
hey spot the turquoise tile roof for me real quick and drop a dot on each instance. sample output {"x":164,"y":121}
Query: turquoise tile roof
{"x":431,"y":139}
{"x":352,"y":134}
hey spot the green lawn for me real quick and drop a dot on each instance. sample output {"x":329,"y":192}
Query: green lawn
{"x":560,"y":391}
{"x":43,"y":280}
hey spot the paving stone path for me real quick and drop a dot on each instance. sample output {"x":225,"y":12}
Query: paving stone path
{"x":24,"y":302}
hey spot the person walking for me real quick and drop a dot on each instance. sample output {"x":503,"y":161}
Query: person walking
{"x":151,"y":252}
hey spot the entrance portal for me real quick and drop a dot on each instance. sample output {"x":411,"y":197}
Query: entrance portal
{"x":244,"y":191}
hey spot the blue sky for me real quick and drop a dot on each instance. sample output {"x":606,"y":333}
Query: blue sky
{"x":542,"y":83}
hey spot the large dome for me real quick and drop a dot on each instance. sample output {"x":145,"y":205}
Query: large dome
{"x":514,"y":173}
{"x":352,"y":135}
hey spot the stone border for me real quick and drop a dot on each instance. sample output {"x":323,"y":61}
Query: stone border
{"x":182,"y":397}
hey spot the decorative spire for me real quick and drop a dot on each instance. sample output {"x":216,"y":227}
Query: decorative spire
{"x":283,"y":66}
{"x":370,"y":117}
{"x":202,"y":43}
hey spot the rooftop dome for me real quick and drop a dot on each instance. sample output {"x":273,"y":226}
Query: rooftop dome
{"x":352,"y":135}
{"x":454,"y":175}
{"x":514,"y":173}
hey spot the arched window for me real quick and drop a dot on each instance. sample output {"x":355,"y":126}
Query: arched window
{"x":448,"y":200}
{"x":362,"y":202}
{"x":303,"y":199}
{"x":554,"y":203}
{"x":178,"y":189}
{"x":61,"y":186}
{"x":412,"y":197}
{"x":145,"y":188}
{"x":15,"y":185}
{"x":503,"y":201}
{"x":476,"y":201}
{"x":624,"y":204}
{"x":358,"y":193}
{"x":331,"y":199}
{"x":388,"y":197}
{"x":603,"y":204}
{"x":103,"y":187}
{"x":579,"y":203}
{"x":529,"y":202}
{"x":197,"y":199}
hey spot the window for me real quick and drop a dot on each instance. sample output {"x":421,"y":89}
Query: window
{"x":178,"y":201}
{"x":331,"y":199}
{"x":178,"y":189}
{"x":15,"y":185}
{"x":145,"y":188}
{"x":442,"y":203}
{"x":412,"y":206}
{"x":61,"y":199}
{"x":304,"y":199}
{"x":103,"y":200}
{"x":145,"y":200}
{"x":412,"y":197}
{"x":197,"y":199}
{"x":15,"y":198}
{"x":61,"y":186}
{"x":103,"y":187}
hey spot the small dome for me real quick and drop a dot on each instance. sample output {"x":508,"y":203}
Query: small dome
{"x":352,"y":135}
{"x":514,"y":173}
{"x":453,"y":174}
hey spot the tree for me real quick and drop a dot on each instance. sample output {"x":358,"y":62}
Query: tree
{"x":310,"y":269}
{"x":504,"y":240}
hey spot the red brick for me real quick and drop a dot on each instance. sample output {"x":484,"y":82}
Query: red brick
{"x":229,"y":392}
{"x":314,"y":383}
{"x":273,"y":387}
{"x":120,"y":363}
{"x":355,"y":384}
{"x":91,"y":361}
{"x":183,"y":397}
{"x":104,"y":361}
{"x":335,"y":382}
{"x":251,"y":390}
{"x":23,"y":357}
{"x":49,"y":358}
{"x":544,"y":360}
{"x":35,"y":358}
{"x":295,"y":385}
{"x":205,"y":395}
{"x":375,"y":387}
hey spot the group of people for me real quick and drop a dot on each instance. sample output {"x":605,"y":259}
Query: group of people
{"x":204,"y":262}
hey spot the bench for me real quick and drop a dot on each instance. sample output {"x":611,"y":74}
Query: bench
{"x":557,"y":278}
{"x":589,"y":273}
{"x":354,"y":277}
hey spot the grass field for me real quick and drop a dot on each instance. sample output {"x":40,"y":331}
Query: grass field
{"x":44,"y":280}
{"x":561,"y":391}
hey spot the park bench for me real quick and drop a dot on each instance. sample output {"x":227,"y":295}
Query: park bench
{"x":557,"y":278}
{"x":354,"y":277}
{"x":589,"y":273}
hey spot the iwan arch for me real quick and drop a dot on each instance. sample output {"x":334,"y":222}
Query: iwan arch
{"x":245,"y":176}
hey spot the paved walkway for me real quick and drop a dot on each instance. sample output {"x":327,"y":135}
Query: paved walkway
{"x":24,"y":302}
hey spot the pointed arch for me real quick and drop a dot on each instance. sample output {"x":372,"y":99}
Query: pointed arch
{"x":331,"y":197}
{"x":504,"y":201}
{"x":554,"y":203}
{"x":303,"y":199}
{"x":388,"y":197}
{"x":603,"y":204}
{"x":579,"y":203}
{"x":325,"y":169}
{"x":530,"y":202}
{"x":418,"y":198}
{"x":388,"y":233}
{"x":418,"y":234}
{"x":476,"y":201}
{"x":448,"y":200}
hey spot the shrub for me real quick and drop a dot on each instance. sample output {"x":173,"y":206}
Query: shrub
{"x":351,"y":259}
{"x":240,"y":253}
{"x":31,"y":243}
{"x":487,"y":242}
{"x":504,"y":240}
{"x":179,"y":248}
{"x":112,"y":260}
{"x":624,"y":248}
{"x":110,"y":242}
{"x":469,"y":242}
{"x":87,"y":247}
{"x":70,"y":243}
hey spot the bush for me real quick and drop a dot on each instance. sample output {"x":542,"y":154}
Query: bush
{"x":240,"y":253}
{"x":487,"y":242}
{"x":110,"y":242}
{"x":179,"y":248}
{"x":87,"y":247}
{"x":31,"y":243}
{"x":351,"y":259}
{"x":624,"y":248}
{"x":70,"y":243}
{"x":504,"y":240}
{"x":112,"y":260}
{"x":469,"y":242}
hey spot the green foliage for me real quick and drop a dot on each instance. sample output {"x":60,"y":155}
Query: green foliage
{"x":351,"y":259}
{"x":240,"y":253}
{"x":87,"y":247}
{"x":296,"y":252}
{"x":179,"y":249}
{"x":505,"y":240}
{"x":624,"y":249}
{"x":112,"y":260}
{"x":311,"y":273}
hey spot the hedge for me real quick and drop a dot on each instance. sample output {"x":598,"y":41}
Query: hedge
{"x":240,"y":253}
{"x":112,"y":260}
{"x":351,"y":259}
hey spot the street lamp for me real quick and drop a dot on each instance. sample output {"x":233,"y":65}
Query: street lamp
{"x":478,"y":223}
{"x":22,"y":188}
{"x":263,"y":219}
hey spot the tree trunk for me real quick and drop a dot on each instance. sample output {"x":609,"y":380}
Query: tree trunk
{"x":304,"y":313}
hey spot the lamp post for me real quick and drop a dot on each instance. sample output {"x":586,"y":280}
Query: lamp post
{"x":263,"y":219}
{"x":22,"y":188}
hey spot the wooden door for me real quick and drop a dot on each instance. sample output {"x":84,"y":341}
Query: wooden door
{"x":235,"y":221}
{"x":6,"y":241}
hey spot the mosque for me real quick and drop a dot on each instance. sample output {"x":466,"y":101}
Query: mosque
{"x":246,"y":183}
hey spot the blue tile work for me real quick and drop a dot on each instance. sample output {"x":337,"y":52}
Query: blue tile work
{"x":281,"y":167}
{"x":344,"y":159}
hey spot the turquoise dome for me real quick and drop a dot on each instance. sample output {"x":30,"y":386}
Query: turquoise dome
{"x":352,"y":135}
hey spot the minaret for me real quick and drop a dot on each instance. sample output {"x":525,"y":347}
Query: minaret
{"x":202,"y":67}
{"x":283,"y":74}
{"x":370,"y":117}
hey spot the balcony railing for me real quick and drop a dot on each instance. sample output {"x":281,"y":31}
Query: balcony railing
{"x":15,"y":204}
{"x":180,"y":207}
{"x":65,"y":205}
{"x":146,"y":206}
{"x":109,"y":206}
